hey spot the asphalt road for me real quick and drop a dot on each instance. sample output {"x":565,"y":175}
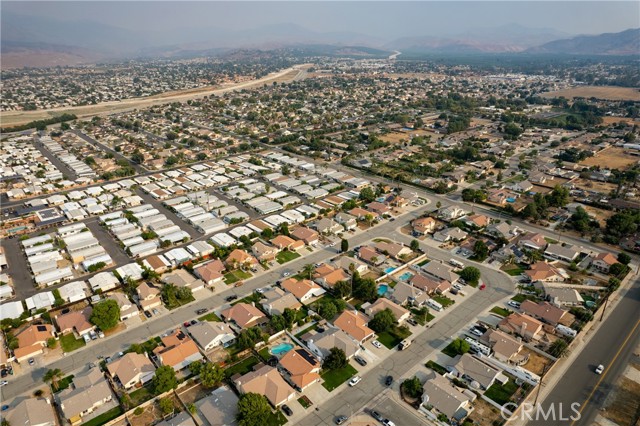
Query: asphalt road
{"x":612,"y":345}
{"x":138,"y":168}
{"x":63,"y":167}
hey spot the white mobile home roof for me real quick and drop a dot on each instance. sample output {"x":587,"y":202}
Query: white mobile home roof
{"x":53,"y":277}
{"x":293,"y":216}
{"x":31,"y":251}
{"x":110,"y":216}
{"x":146,"y":213}
{"x":11,"y":310}
{"x":104,"y":281}
{"x":166,"y":231}
{"x":268,"y":207}
{"x":71,"y":229}
{"x":200,"y":248}
{"x":142,"y":249}
{"x":73,"y":291}
{"x":36,"y":240}
{"x":275,"y":220}
{"x":44,"y":266}
{"x":201,"y":218}
{"x":240,"y":231}
{"x":146,"y":221}
{"x":133,"y":241}
{"x":174,"y":237}
{"x":209,"y":226}
{"x":132,"y":270}
{"x":223,"y":240}
{"x":45,"y":257}
{"x":142,"y":208}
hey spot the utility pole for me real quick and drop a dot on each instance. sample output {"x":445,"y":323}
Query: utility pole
{"x":604,"y":308}
{"x":544,"y":371}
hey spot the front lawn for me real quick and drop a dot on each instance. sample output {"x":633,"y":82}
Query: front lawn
{"x":388,"y":339}
{"x":104,"y":417}
{"x":500,"y":311}
{"x":513,"y":270}
{"x":286,"y":256}
{"x":235,"y":276}
{"x":242,"y":367}
{"x":69,"y":343}
{"x":64,"y":383}
{"x":443,"y":300}
{"x":501,"y":393}
{"x":334,"y":378}
{"x":210,"y":317}
{"x":305,"y":402}
{"x":522,"y":297}
{"x":436,"y":367}
{"x":275,"y":419}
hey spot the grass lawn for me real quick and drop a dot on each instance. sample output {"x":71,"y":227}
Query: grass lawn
{"x":436,"y":367}
{"x":513,"y":270}
{"x":276,"y":419}
{"x":104,"y":417}
{"x":450,"y":350}
{"x":306,"y":330}
{"x":64,"y":383}
{"x":444,"y":301}
{"x":140,"y":395}
{"x":305,"y":402}
{"x":69,"y":343}
{"x":286,"y":256}
{"x":179,"y":302}
{"x":500,"y":311}
{"x":242,"y":367}
{"x":334,"y":378}
{"x":389,"y":340}
{"x":550,"y":240}
{"x":264,"y":353}
{"x":210,"y":317}
{"x":501,"y":393}
{"x":424,"y":262}
{"x":522,"y":297}
{"x":235,"y":276}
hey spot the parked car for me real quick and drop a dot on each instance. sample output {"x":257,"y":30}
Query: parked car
{"x":202,"y":311}
{"x":360,"y":360}
{"x":32,"y":361}
{"x":4,"y":382}
{"x":287,"y":410}
{"x":147,"y":314}
{"x":355,"y":380}
{"x":482,"y":286}
{"x":599,"y":369}
{"x":154,"y":311}
{"x":340,"y":419}
{"x":239,"y":284}
{"x":230,"y":298}
{"x":388,"y":381}
{"x":186,"y":324}
{"x":86,"y":338}
{"x":387,"y":422}
{"x":376,"y":344}
{"x":193,"y":322}
{"x":286,"y":273}
{"x":376,"y":415}
{"x":513,"y":304}
{"x":412,"y":321}
{"x":5,"y":407}
{"x":476,"y":331}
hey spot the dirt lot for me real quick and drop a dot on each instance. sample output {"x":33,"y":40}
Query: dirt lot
{"x":193,"y":394}
{"x":616,"y":120}
{"x":396,"y":137}
{"x":484,"y":414}
{"x":600,"y":215}
{"x":601,"y":92}
{"x":613,"y":158}
{"x":594,"y":185}
{"x":536,"y":362}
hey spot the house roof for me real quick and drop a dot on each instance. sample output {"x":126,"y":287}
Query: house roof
{"x":31,"y":412}
{"x":541,"y":271}
{"x":243,"y":314}
{"x":130,"y":366}
{"x":182,"y":419}
{"x":443,"y":396}
{"x":35,"y":334}
{"x":205,"y":332}
{"x":336,"y":276}
{"x":516,"y":322}
{"x":334,"y":338}
{"x":89,"y":388}
{"x":543,"y":310}
{"x":210,"y":271}
{"x":282,"y":241}
{"x":177,"y":353}
{"x":382,"y":303}
{"x":146,"y":291}
{"x":302,"y":366}
{"x":266,"y":381}
{"x":304,"y":233}
{"x":261,"y":249}
{"x":75,"y":320}
{"x":566,"y":252}
{"x":300,"y":288}
{"x":240,"y":256}
{"x":354,"y":324}
{"x":429,"y":285}
{"x":503,"y":343}
{"x":440,"y":270}
{"x":607,"y":258}
{"x":535,"y":238}
{"x":476,"y":369}
{"x":368,"y":254}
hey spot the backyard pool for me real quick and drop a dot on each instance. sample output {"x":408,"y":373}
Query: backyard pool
{"x":389,"y":270}
{"x":281,"y":349}
{"x":406,"y":276}
{"x":511,"y":200}
{"x":382,"y":289}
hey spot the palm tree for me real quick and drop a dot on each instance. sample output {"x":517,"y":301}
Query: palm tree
{"x":53,"y":376}
{"x":308,"y":269}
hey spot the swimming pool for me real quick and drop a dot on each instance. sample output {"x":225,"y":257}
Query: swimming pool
{"x":281,"y":349}
{"x":406,"y":276}
{"x":382,"y":289}
{"x":389,"y":270}
{"x":511,"y":200}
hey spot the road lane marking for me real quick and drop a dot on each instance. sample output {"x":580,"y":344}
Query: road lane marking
{"x":606,"y":370}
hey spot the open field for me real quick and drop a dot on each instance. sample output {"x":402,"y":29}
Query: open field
{"x":600,"y":92}
{"x":396,"y":137}
{"x":14,"y":118}
{"x":616,"y":120}
{"x":593,"y":185}
{"x":612,"y":157}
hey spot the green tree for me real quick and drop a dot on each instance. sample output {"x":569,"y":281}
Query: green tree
{"x":344,"y":245}
{"x":137,"y":157}
{"x":164,"y":380}
{"x":195,"y":367}
{"x":342,"y":289}
{"x":364,"y":288}
{"x":618,"y":269}
{"x":480,"y":250}
{"x":166,"y":406}
{"x":624,"y":258}
{"x":105,"y":314}
{"x":211,"y":375}
{"x":253,"y":409}
{"x":414,"y":245}
{"x":470,"y":274}
{"x":52,"y":343}
{"x":460,"y":346}
{"x":335,"y":360}
{"x":367,"y":194}
{"x":327,"y":310}
{"x":290,"y":316}
{"x":558,"y":348}
{"x":277,"y":323}
{"x":412,"y":387}
{"x":382,"y":321}
{"x":284,"y":229}
{"x":52,"y":376}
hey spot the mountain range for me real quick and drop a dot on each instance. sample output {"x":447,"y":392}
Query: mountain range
{"x":39,"y":41}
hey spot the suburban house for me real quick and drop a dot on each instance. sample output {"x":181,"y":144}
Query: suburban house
{"x":503,"y":230}
{"x":209,"y":335}
{"x":211,"y":272}
{"x":127,"y":308}
{"x":429,"y":285}
{"x":177,"y":351}
{"x":348,"y":263}
{"x":300,"y":368}
{"x":603,"y":261}
{"x":183,"y":418}
{"x":244,"y":315}
{"x":132,"y":369}
{"x":545,"y":272}
{"x":309,"y":236}
{"x":148,"y":296}
{"x":393,"y":249}
{"x":480,"y":374}
{"x":76,"y":322}
{"x":287,"y":243}
{"x":327,"y":226}
{"x":522,"y":325}
{"x":451,"y":213}
{"x":304,"y":290}
{"x":349,"y":222}
{"x":505,"y":347}
{"x":328,"y":276}
{"x":320,"y":344}
{"x":157,"y":263}
{"x":378,"y":208}
{"x":440,"y":394}
{"x":371,"y":256}
{"x":533,"y":241}
{"x":440,"y":271}
{"x":566,"y":253}
{"x":32,"y":412}
{"x":268,"y":382}
{"x":355,"y":325}
{"x":401,"y":314}
{"x":477,"y":221}
{"x":239,"y":258}
{"x":32,"y":341}
{"x":264,"y":252}
{"x":220,"y":407}
{"x":450,"y":234}
{"x":278,"y":300}
{"x":407,"y":294}
{"x":501,"y":196}
{"x":88,"y":391}
{"x":560,"y":297}
{"x":182,"y":278}
{"x":424,"y":225}
{"x":523,"y":186}
{"x":546,"y":312}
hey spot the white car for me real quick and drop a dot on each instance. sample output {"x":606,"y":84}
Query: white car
{"x":354,"y":381}
{"x":599,"y":369}
{"x":476,"y":332}
{"x":3,"y":383}
{"x":513,"y":304}
{"x":377,"y":344}
{"x":285,"y":274}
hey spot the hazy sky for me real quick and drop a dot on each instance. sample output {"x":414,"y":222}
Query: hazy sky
{"x":382,"y":19}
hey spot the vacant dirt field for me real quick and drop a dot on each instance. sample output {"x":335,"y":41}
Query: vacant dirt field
{"x":536,"y":362}
{"x":621,"y":406}
{"x":600,"y":92}
{"x":593,"y":185}
{"x":484,"y":414}
{"x":601,"y":215}
{"x":396,"y":137}
{"x":612,"y":157}
{"x":616,"y":120}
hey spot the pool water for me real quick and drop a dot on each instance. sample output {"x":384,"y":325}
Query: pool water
{"x":382,"y":289}
{"x":406,"y":276}
{"x":511,"y":200}
{"x":389,"y":270}
{"x":281,"y":349}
